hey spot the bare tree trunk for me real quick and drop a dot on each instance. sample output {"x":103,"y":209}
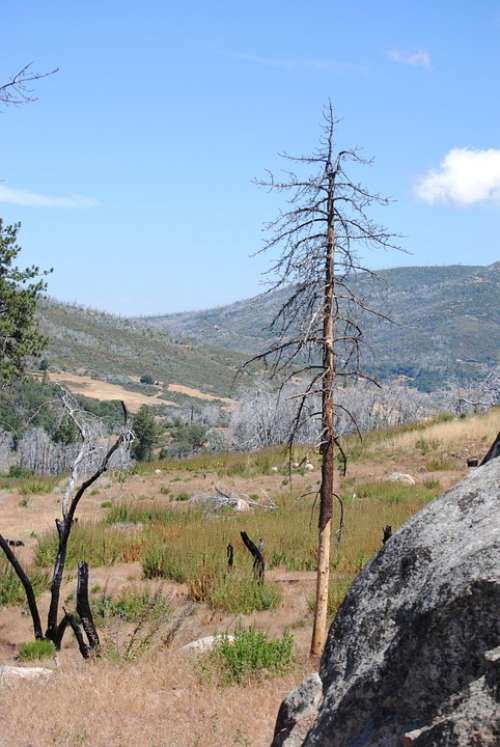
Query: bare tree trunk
{"x":327,"y":436}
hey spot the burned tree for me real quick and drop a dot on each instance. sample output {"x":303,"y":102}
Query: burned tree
{"x":90,"y":443}
{"x":319,"y":327}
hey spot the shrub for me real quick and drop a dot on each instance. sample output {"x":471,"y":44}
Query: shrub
{"x":250,"y":653}
{"x":16,"y":471}
{"x":107,"y":504}
{"x":32,"y":650}
{"x":164,"y":490}
{"x":147,"y":379}
{"x":182,"y":497}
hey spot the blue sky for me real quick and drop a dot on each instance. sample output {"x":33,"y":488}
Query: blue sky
{"x":132,"y":173}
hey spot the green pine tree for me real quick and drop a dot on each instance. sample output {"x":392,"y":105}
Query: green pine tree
{"x":146,"y":434}
{"x":20,"y":336}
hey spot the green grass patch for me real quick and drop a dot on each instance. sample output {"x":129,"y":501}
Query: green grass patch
{"x":132,"y":513}
{"x":132,"y":606}
{"x":34,"y":650}
{"x":97,"y":544}
{"x":250,"y":654}
{"x":237,"y":593}
{"x":27,"y":485}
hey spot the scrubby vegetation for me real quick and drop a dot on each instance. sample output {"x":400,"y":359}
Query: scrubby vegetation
{"x":250,"y":654}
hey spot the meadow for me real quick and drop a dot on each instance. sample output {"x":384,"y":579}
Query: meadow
{"x":160,"y":579}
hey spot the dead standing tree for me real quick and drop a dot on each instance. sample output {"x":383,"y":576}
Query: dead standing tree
{"x":72,"y":496}
{"x":319,"y":327}
{"x":16,"y":90}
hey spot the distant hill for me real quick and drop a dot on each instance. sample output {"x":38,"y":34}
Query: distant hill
{"x":446,"y":321}
{"x":115,"y":349}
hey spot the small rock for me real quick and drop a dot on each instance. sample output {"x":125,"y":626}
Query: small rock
{"x":309,"y":467}
{"x":158,"y":471}
{"x":274,"y":469}
{"x":297,"y":712}
{"x":402,"y":478}
{"x":10,"y":675}
{"x":202,"y":645}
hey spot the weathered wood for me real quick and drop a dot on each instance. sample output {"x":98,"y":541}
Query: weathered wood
{"x":71,"y":620}
{"x":230,"y":556}
{"x":258,"y":563}
{"x":30,"y":595}
{"x":387,"y":533}
{"x":83,"y":606}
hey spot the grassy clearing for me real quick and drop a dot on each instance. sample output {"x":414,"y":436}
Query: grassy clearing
{"x":194,"y":552}
{"x":11,"y":589}
{"x":98,"y":544}
{"x":251,"y":653}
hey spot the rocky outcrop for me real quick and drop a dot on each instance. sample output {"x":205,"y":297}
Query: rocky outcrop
{"x":297,"y":712}
{"x":413,"y":656}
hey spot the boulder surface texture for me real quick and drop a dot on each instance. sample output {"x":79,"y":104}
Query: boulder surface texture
{"x":413,"y":655}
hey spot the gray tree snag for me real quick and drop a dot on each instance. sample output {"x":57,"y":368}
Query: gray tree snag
{"x":319,"y":327}
{"x":16,"y":90}
{"x":71,"y":499}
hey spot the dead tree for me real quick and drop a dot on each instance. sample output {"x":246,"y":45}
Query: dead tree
{"x":319,"y":327}
{"x":17,"y":88}
{"x":258,"y":558}
{"x":56,"y":627}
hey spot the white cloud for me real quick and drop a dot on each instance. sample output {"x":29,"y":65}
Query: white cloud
{"x":11,"y":196}
{"x":418,"y":58}
{"x":466,"y":176}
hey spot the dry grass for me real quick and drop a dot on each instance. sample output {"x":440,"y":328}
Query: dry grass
{"x":160,"y":698}
{"x":477,"y":429}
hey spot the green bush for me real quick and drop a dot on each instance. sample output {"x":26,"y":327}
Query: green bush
{"x":16,"y":471}
{"x":107,"y":504}
{"x":37,"y":650}
{"x":250,"y":653}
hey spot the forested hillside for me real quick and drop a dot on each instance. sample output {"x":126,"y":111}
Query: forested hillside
{"x":446,"y":320}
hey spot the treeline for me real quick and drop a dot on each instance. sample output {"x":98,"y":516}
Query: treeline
{"x":37,"y":433}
